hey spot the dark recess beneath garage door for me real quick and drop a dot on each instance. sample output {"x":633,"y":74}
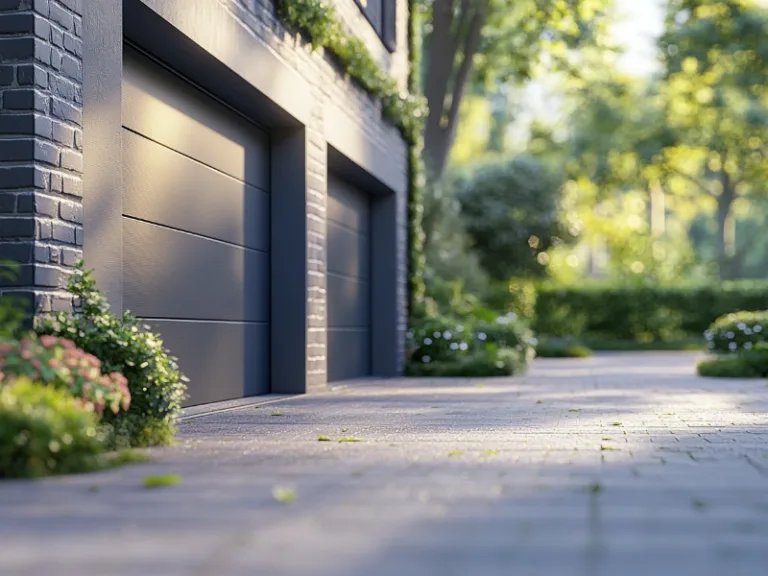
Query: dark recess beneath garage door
{"x":196,"y":230}
{"x":348,"y":283}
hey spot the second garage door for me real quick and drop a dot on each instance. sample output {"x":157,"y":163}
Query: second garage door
{"x":348,"y":282}
{"x":196,"y":230}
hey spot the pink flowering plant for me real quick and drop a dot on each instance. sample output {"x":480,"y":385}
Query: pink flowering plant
{"x":59,"y":363}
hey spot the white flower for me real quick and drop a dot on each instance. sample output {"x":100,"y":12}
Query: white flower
{"x":459,"y":328}
{"x":447,"y":335}
{"x":409,"y":334}
{"x":427,"y":341}
{"x":747,"y":345}
{"x":426,"y":359}
{"x":482,"y":336}
{"x":747,"y":331}
{"x":757,"y":329}
{"x":732,"y":346}
{"x":729,"y":335}
{"x":741,"y":325}
{"x":454,"y":346}
{"x":436,"y":335}
{"x":463,"y":346}
{"x":534,"y":341}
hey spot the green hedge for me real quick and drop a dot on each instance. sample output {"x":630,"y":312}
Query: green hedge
{"x":641,"y":313}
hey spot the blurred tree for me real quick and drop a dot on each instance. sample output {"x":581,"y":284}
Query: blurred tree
{"x":513,"y":216}
{"x":716,"y":92}
{"x":491,"y":42}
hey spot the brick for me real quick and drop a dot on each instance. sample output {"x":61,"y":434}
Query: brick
{"x":57,"y":37}
{"x":72,"y":186}
{"x":66,"y":111}
{"x":7,"y":202}
{"x":61,"y":16}
{"x":38,"y":204}
{"x":39,"y":6}
{"x":6,"y":75}
{"x":70,"y":257}
{"x":63,"y":232}
{"x":22,"y":177}
{"x":63,"y":134}
{"x":43,"y":230}
{"x":17,"y":227}
{"x":79,"y":236}
{"x":71,"y":212}
{"x":54,"y":254}
{"x":20,"y":252}
{"x":25,"y":99}
{"x":42,"y":253}
{"x":28,"y":150}
{"x":22,"y":276}
{"x":26,"y":124}
{"x":75,"y":6}
{"x":48,"y":276}
{"x":73,"y":45}
{"x":72,"y":67}
{"x":31,"y":75}
{"x":63,"y":88}
{"x":17,"y":49}
{"x":71,"y":160}
{"x":61,"y":304}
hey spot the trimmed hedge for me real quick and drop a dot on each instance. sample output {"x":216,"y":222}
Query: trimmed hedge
{"x":641,"y":313}
{"x":740,"y":331}
{"x":753,"y":364}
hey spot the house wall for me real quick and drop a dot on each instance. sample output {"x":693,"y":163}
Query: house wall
{"x":59,"y":182}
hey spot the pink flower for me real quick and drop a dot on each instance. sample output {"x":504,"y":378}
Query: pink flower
{"x":48,"y":341}
{"x":54,"y":363}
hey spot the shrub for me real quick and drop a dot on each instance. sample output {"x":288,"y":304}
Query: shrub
{"x":562,"y":349}
{"x":445,"y":347}
{"x":45,"y":431}
{"x":752,"y":364}
{"x":123,"y":345}
{"x":12,"y":308}
{"x":737,"y":332}
{"x":642,"y":313}
{"x":58,"y":362}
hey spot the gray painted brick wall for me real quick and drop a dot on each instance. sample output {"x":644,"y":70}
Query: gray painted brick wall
{"x":41,"y":145}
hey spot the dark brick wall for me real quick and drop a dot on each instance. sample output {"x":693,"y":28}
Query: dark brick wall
{"x":41,"y":143}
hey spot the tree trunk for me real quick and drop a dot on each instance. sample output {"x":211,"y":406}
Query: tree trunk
{"x":726,"y":232}
{"x":451,"y":46}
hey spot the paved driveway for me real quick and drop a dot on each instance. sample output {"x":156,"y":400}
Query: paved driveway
{"x":623,"y":464}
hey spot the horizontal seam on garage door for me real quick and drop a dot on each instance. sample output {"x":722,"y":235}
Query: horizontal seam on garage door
{"x":196,"y":160}
{"x":348,"y":228}
{"x":232,"y":244}
{"x":149,"y":56}
{"x":207,"y":320}
{"x":348,"y":277}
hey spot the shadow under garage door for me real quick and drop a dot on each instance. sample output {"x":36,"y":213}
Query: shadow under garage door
{"x":348,"y":281}
{"x":196,"y":230}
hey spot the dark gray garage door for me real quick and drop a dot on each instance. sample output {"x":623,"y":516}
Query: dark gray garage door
{"x":196,"y":230}
{"x":348,"y":284}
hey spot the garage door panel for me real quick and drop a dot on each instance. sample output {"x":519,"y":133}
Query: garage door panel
{"x":164,"y":187}
{"x":172,"y":274}
{"x":348,"y":252}
{"x":170,"y":111}
{"x":346,"y":206}
{"x":222,"y":360}
{"x":350,"y":302}
{"x":354,"y":359}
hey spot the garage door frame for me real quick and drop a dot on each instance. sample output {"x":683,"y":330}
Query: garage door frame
{"x":148,"y":30}
{"x":384,"y":273}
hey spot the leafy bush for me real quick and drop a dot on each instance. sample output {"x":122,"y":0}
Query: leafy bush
{"x":58,"y":362}
{"x":737,"y":332}
{"x":123,"y":345}
{"x":45,"y":431}
{"x":642,"y":313}
{"x":12,"y":308}
{"x":752,"y":364}
{"x":517,"y":296}
{"x":445,"y":347}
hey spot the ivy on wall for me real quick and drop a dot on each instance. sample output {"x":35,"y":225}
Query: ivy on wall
{"x":316,"y":20}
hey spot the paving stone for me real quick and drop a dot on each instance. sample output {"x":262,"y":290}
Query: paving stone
{"x":620,"y":464}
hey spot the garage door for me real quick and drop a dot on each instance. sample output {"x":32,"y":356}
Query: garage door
{"x":196,"y":230}
{"x":348,"y":282}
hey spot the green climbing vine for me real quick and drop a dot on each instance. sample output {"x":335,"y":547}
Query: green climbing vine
{"x":316,"y":21}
